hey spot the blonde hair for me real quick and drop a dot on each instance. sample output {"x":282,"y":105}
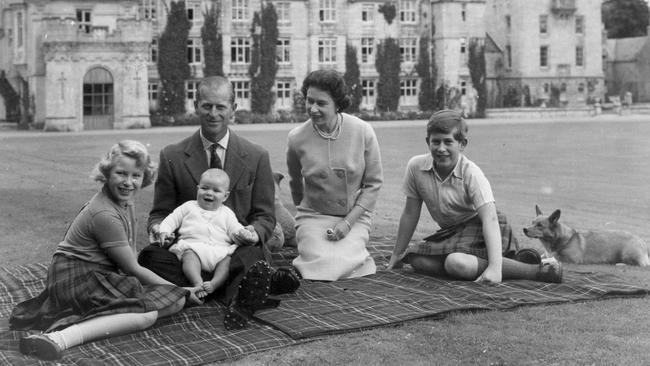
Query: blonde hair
{"x":129,"y":148}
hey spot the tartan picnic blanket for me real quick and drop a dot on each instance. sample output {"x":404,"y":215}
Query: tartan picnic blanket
{"x":197,"y":336}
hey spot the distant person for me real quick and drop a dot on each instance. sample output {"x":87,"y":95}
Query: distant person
{"x":95,"y":288}
{"x":335,"y":175}
{"x":251,"y":197}
{"x":474,"y":237}
{"x":207,"y":232}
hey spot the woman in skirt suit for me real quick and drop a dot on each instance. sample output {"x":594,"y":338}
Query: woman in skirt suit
{"x":335,"y":175}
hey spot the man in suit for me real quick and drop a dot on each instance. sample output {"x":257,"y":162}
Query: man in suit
{"x":251,"y":198}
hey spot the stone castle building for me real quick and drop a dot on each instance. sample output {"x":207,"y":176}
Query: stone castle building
{"x":92,"y":64}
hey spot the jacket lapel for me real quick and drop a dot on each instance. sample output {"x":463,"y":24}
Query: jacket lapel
{"x":235,"y":160}
{"x":196,"y":161}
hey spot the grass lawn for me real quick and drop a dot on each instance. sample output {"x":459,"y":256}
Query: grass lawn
{"x":596,"y":172}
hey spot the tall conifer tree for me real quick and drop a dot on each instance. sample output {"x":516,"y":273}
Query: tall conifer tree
{"x":212,"y":41}
{"x":264,"y":64}
{"x":388,"y":67}
{"x":173,"y":66}
{"x":352,"y":77}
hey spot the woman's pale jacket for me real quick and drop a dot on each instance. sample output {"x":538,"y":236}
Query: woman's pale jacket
{"x":332,"y":176}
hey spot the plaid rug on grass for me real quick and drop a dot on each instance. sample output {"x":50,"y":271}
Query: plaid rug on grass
{"x":320,"y":308}
{"x":195,"y":336}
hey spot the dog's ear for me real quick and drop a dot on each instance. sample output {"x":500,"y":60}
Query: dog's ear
{"x":554,"y":216}
{"x":537,"y":210}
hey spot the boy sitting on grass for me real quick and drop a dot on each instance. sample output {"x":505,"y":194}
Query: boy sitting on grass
{"x":474,"y":237}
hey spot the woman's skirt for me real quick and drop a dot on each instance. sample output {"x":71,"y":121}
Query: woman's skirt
{"x":322,"y":259}
{"x":465,"y":237}
{"x":78,"y":290}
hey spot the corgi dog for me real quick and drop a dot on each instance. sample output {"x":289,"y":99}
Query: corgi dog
{"x":587,"y":247}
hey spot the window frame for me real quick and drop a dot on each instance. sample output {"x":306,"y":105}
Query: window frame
{"x":544,"y":56}
{"x":407,"y":11}
{"x":239,"y":10}
{"x":194,"y":51}
{"x":327,"y":11}
{"x":368,"y":11}
{"x":367,"y":50}
{"x":543,"y":24}
{"x":408,"y":52}
{"x":240,"y":52}
{"x":327,"y":47}
{"x":283,"y":50}
{"x":85,"y":25}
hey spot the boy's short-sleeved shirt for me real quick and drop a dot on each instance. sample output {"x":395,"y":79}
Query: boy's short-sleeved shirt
{"x":454,"y":200}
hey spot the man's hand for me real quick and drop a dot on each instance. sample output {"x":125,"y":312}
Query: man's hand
{"x":246,"y":236}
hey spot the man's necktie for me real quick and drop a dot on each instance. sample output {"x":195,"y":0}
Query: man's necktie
{"x":215,"y":162}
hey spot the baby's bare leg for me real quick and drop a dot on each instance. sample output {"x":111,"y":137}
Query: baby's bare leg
{"x":220,"y":276}
{"x":192,"y":267}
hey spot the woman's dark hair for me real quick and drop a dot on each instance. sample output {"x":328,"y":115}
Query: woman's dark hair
{"x":330,"y":81}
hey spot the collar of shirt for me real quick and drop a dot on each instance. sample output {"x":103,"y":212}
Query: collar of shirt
{"x":222,"y":145}
{"x":457,"y":172}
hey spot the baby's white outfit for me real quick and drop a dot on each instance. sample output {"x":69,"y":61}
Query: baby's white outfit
{"x":207,"y":233}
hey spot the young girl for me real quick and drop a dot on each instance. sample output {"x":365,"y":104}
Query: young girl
{"x":95,"y":287}
{"x":207,"y":232}
{"x":473,"y":237}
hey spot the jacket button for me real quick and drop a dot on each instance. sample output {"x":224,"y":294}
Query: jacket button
{"x":323,"y":175}
{"x":341,"y":202}
{"x":340,"y":174}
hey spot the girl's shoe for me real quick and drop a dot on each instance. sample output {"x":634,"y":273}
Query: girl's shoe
{"x":41,"y":346}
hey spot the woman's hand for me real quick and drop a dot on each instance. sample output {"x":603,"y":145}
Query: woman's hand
{"x":340,"y":230}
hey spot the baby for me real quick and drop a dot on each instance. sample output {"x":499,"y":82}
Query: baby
{"x":208,"y":232}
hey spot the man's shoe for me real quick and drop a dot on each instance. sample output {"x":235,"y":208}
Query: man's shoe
{"x":284,"y":280}
{"x":528,"y":255}
{"x":252,"y":295}
{"x":41,"y":346}
{"x":550,"y":272}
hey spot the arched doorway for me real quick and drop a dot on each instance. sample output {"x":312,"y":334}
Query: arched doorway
{"x":98,"y":99}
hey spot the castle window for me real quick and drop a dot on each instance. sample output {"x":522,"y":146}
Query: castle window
{"x":240,"y":50}
{"x":367,"y":50}
{"x":407,"y":11}
{"x":239,"y":10}
{"x":84,"y":20}
{"x":327,"y":10}
{"x":408,"y":49}
{"x":327,"y":50}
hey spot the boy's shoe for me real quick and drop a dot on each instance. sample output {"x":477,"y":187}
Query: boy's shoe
{"x":528,"y":255}
{"x":284,"y":280}
{"x":550,"y":272}
{"x":252,"y":295}
{"x":41,"y":346}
